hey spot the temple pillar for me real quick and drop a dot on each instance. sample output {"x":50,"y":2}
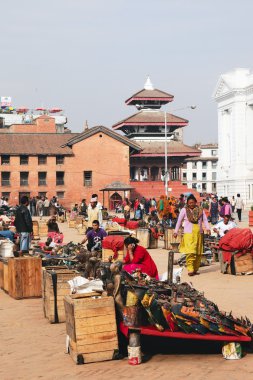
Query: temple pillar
{"x":149,"y":174}
{"x":159,"y":174}
{"x":139,"y":174}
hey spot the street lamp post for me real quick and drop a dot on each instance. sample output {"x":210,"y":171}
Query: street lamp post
{"x":166,"y":174}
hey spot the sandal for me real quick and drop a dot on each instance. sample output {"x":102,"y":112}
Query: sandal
{"x":191,"y":273}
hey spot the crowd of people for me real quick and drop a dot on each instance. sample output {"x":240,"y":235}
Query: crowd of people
{"x":215,"y":215}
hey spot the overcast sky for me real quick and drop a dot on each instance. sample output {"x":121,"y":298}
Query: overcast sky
{"x":89,"y":56}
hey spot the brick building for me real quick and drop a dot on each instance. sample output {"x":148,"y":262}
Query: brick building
{"x":36,"y":160}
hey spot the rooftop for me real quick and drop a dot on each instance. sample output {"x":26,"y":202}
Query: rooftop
{"x":117,"y":186}
{"x":151,"y":117}
{"x":35,"y":143}
{"x":150,"y":93}
{"x":174,"y":148}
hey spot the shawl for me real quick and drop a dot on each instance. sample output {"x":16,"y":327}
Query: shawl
{"x":193,"y":215}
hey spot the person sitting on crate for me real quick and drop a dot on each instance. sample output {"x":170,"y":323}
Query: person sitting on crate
{"x":137,"y":257}
{"x":223,"y":226}
{"x":24,"y":225}
{"x":94,"y":237}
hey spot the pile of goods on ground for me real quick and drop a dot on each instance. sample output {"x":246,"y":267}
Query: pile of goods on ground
{"x":174,"y":307}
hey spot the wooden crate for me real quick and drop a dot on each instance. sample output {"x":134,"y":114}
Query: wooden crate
{"x":24,"y":278}
{"x":4,"y":271}
{"x":78,"y":221}
{"x":43,"y":281}
{"x":106,"y":253}
{"x":43,"y":229}
{"x":72,"y":224}
{"x":242,"y":264}
{"x":143,"y":235}
{"x":36,"y":233}
{"x":169,"y":238}
{"x":91,"y":327}
{"x":55,"y":288}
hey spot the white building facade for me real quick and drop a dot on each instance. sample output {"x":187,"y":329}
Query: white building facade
{"x":200,"y":173}
{"x":234,"y":95}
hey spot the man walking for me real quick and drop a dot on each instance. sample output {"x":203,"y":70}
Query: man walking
{"x":239,"y":204}
{"x":23,"y":224}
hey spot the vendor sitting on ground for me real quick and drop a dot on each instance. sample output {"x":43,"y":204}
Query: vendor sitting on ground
{"x":137,"y":257}
{"x":53,"y":225}
{"x":94,"y":237}
{"x":224,"y":225}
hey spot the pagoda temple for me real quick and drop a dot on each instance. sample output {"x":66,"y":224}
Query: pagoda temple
{"x":147,"y":128}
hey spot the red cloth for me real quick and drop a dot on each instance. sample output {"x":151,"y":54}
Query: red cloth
{"x":113,"y":242}
{"x":237,"y":239}
{"x":132,"y":225}
{"x":120,"y":221}
{"x":141,"y":256}
{"x":56,"y":238}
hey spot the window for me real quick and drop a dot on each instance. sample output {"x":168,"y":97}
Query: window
{"x":184,"y":175}
{"x":60,"y":194}
{"x":203,"y":186}
{"x":42,"y":194}
{"x":59,"y":178}
{"x":42,"y":178}
{"x":214,"y":164}
{"x":59,"y":160}
{"x":87,"y":178}
{"x":194,"y":165}
{"x":194,"y":186}
{"x":24,"y":178}
{"x":5,"y":180}
{"x":204,"y":164}
{"x":214,"y":176}
{"x":6,"y":194}
{"x":214,"y":187}
{"x":203,"y":176}
{"x":5,"y":160}
{"x":194,"y":175}
{"x":42,"y":160}
{"x":214,"y":152}
{"x":23,"y":160}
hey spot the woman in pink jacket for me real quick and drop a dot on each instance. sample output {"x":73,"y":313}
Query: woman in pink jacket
{"x":192,"y":242}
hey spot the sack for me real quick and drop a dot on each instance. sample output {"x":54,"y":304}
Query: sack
{"x":237,"y":239}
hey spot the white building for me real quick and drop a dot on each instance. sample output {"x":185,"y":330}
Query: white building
{"x":234,"y":95}
{"x":200,"y":173}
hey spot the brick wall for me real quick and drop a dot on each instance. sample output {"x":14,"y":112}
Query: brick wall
{"x":107,"y":158}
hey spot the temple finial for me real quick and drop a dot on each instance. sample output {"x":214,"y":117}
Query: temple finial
{"x":148,"y":84}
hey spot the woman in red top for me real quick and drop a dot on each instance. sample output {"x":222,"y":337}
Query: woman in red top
{"x":137,"y":257}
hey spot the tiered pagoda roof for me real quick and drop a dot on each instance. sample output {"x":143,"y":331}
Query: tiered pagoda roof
{"x":151,"y":117}
{"x":174,"y":148}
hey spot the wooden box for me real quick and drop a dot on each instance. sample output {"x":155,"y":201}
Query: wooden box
{"x":43,"y":229}
{"x":43,"y":281}
{"x":91,"y":328}
{"x":36,"y":233}
{"x":106,"y":253}
{"x":242,"y":264}
{"x":4,"y":271}
{"x":55,"y":287}
{"x":78,"y":221}
{"x":169,"y":238}
{"x":143,"y":235}
{"x":24,"y":278}
{"x":72,"y":224}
